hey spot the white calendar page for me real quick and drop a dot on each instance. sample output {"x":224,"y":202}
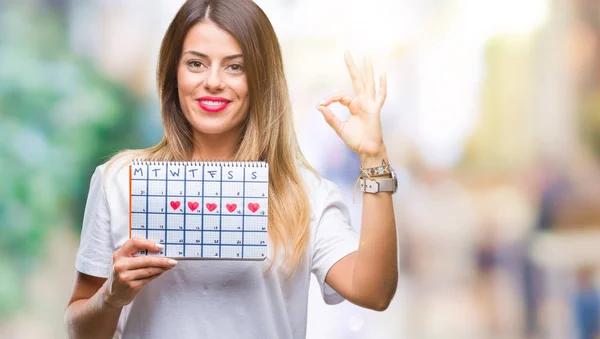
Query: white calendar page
{"x":201,"y":210}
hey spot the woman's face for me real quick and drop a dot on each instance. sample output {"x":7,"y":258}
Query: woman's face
{"x":212,"y":86}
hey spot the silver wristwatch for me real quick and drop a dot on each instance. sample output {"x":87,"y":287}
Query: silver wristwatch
{"x":379,"y":184}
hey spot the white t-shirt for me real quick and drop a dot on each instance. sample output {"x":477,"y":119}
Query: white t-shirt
{"x":214,"y":298}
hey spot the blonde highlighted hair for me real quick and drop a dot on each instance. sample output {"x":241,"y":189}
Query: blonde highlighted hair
{"x":267,"y":134}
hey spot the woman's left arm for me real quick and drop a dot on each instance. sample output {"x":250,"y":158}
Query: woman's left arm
{"x":369,"y":276}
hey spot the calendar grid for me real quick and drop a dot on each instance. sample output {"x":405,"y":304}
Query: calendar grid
{"x":244,"y":211}
{"x":235,"y":245}
{"x":220,"y":211}
{"x":202,"y":216}
{"x":200,"y":231}
{"x":184,"y":209}
{"x":160,"y":196}
{"x":147,"y":188}
{"x":238,"y":181}
{"x":228,"y":211}
{"x":166,"y":206}
{"x":161,"y":213}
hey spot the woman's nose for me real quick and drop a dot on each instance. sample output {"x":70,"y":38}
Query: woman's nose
{"x":213,"y":80}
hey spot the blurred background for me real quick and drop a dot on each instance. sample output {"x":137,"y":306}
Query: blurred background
{"x":492,"y":123}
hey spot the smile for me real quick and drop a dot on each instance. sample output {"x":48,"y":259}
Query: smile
{"x":212,"y":106}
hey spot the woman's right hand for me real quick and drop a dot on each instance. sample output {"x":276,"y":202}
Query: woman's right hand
{"x":131,"y":273}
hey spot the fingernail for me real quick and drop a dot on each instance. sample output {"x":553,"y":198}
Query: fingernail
{"x":172,"y":262}
{"x":160,"y":246}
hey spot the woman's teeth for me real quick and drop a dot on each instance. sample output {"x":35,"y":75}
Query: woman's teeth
{"x":214,"y":103}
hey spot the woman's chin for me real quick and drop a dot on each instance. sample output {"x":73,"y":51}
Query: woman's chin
{"x":214,"y":125}
{"x":212,"y":129}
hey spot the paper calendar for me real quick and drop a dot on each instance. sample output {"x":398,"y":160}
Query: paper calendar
{"x":201,"y":210}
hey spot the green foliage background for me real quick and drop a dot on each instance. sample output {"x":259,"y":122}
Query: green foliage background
{"x":59,"y":118}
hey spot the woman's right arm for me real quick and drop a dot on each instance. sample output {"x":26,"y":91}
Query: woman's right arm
{"x":96,"y":303}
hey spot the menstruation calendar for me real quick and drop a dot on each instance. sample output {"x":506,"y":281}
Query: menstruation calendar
{"x":201,"y":210}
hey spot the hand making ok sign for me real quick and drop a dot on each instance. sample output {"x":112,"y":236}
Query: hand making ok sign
{"x":362,"y":131}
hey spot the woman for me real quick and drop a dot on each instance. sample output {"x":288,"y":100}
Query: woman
{"x":224,"y":97}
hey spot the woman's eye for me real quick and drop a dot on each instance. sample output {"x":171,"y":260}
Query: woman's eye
{"x":236,"y":68}
{"x":195,"y":64}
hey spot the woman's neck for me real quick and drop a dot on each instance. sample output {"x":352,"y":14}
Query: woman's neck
{"x":215,"y":146}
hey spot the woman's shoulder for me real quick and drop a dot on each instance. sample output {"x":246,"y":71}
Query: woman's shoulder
{"x":117,"y":167}
{"x":317,"y":187}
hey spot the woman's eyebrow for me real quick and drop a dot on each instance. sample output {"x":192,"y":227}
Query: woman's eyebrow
{"x":202,"y":55}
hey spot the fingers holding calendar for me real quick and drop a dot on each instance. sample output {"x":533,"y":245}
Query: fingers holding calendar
{"x":135,"y":245}
{"x":131,"y":273}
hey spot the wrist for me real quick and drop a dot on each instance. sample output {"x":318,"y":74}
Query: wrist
{"x":376,"y":174}
{"x":107,"y":298}
{"x":375,"y":159}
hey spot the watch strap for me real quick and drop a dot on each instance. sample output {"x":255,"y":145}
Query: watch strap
{"x":378,"y":185}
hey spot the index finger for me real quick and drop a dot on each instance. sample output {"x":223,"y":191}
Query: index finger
{"x":134,"y":245}
{"x":342,"y":98}
{"x":148,"y":261}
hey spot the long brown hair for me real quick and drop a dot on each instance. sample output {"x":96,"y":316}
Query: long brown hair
{"x":268,"y":133}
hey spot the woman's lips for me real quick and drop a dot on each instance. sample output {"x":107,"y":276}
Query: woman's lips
{"x":213,"y":105}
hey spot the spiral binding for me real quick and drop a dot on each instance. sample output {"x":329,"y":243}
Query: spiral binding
{"x":216,"y":163}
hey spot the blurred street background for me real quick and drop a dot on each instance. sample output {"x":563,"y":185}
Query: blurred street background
{"x":492,"y":123}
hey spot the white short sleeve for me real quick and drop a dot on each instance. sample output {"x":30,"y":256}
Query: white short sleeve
{"x":94,"y":256}
{"x":334,"y":239}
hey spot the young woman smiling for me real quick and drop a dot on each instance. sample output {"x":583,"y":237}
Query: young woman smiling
{"x":224,"y":97}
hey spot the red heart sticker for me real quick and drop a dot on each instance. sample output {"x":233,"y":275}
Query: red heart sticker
{"x":193,"y":205}
{"x":231,"y":207}
{"x":211,"y":206}
{"x":253,"y":207}
{"x":175,"y":204}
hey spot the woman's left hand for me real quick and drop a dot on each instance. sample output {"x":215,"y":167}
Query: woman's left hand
{"x":362,"y":131}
